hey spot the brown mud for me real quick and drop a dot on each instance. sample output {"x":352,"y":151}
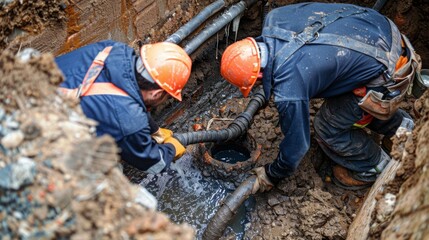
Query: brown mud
{"x":58,"y":179}
{"x":402,"y":210}
{"x":20,"y":18}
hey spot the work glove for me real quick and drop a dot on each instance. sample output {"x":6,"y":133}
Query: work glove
{"x":162,"y":134}
{"x":262,"y":182}
{"x":180,"y":149}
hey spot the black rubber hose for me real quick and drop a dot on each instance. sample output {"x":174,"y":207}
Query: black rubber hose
{"x":218,"y":223}
{"x":195,"y":22}
{"x":217,"y":24}
{"x":379,"y":5}
{"x":238,"y":127}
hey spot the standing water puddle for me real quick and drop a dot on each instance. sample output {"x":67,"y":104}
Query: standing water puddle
{"x":230,"y":153}
{"x":230,"y":156}
{"x":185,"y":195}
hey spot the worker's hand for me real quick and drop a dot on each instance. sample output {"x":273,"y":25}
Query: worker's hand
{"x":262,"y":182}
{"x":180,"y":149}
{"x":162,"y":134}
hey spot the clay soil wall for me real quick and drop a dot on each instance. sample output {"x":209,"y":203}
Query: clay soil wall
{"x":70,"y":25}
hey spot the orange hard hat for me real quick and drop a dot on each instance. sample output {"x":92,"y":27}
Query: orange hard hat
{"x":241,"y":64}
{"x":168,"y":65}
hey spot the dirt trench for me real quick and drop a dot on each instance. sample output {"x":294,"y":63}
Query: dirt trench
{"x":306,"y":206}
{"x":57,"y":202}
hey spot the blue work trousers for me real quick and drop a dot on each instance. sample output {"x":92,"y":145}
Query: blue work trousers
{"x":345,"y":144}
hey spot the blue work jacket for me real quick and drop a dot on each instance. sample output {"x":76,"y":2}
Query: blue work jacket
{"x":125,"y":118}
{"x":315,"y":71}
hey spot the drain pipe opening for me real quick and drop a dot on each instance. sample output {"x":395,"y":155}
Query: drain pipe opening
{"x":230,"y":153}
{"x":229,"y":161}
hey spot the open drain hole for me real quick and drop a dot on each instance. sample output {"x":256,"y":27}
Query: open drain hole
{"x":230,"y":153}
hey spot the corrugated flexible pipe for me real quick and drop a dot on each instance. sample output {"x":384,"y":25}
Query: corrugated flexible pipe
{"x":238,"y":127}
{"x":218,"y":223}
{"x":195,"y":22}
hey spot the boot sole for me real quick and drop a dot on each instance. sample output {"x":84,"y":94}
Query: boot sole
{"x":347,"y":187}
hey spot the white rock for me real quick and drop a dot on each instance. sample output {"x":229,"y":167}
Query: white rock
{"x":145,"y":198}
{"x":13,"y":139}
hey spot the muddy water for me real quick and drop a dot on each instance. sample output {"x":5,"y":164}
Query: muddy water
{"x":231,"y":156}
{"x":185,"y":195}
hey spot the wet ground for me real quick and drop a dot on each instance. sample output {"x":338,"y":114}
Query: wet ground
{"x":186,"y":195}
{"x":305,"y":206}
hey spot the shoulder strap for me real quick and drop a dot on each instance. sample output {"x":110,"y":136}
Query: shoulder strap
{"x":311,"y":35}
{"x":307,"y":35}
{"x":96,"y":89}
{"x":387,"y":58}
{"x":88,"y":87}
{"x":93,"y":71}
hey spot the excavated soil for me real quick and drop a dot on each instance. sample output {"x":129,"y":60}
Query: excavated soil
{"x":402,"y":210}
{"x":57,"y":179}
{"x":20,"y":18}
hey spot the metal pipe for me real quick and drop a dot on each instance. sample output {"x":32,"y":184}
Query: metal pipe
{"x":195,"y":22}
{"x":218,"y":223}
{"x":379,"y":5}
{"x":237,"y":128}
{"x":217,"y":24}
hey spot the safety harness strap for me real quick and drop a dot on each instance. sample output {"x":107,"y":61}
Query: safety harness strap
{"x":93,"y":71}
{"x":278,"y":33}
{"x":387,"y":58}
{"x":95,"y":89}
{"x":308,"y":35}
{"x":353,"y":44}
{"x":88,"y":87}
{"x":311,"y":35}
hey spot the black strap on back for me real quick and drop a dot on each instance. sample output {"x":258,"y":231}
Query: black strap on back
{"x":311,"y":35}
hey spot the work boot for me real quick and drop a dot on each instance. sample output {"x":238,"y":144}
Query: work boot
{"x":343,"y":178}
{"x":352,"y":180}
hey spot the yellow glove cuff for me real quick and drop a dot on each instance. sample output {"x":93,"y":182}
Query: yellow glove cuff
{"x":180,"y":149}
{"x":162,"y":134}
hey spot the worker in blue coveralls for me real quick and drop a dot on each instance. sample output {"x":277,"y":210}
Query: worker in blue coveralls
{"x":354,"y":58}
{"x":117,"y":88}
